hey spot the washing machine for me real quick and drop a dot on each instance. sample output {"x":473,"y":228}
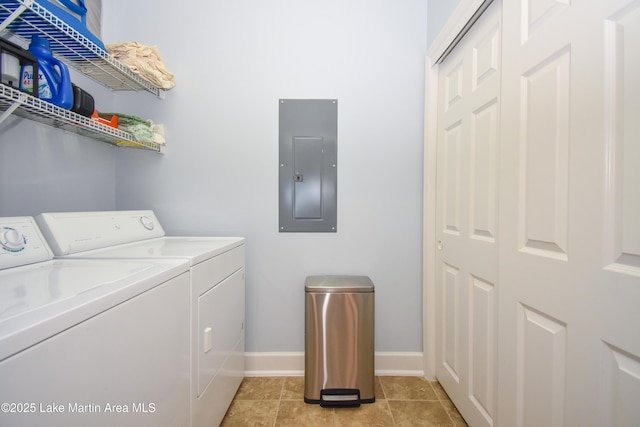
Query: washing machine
{"x":217,"y":290}
{"x":90,"y":342}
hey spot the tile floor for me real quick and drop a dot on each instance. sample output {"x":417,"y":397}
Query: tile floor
{"x":400,"y":401}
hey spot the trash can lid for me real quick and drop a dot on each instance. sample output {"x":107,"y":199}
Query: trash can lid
{"x":338,"y":284}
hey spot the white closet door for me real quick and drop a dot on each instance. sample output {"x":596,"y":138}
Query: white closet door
{"x":569,"y":345}
{"x":466,"y":220}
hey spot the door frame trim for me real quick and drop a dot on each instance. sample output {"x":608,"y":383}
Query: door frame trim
{"x":456,"y":26}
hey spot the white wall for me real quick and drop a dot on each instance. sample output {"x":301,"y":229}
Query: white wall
{"x":233,"y":60}
{"x":439,"y":13}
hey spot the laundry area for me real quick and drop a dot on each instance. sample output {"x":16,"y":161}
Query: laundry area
{"x":239,"y":212}
{"x":210,"y":169}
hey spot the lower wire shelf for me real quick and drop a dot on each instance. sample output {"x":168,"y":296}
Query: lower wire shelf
{"x":14,"y":101}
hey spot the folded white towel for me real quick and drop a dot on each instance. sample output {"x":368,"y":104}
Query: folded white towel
{"x":143,"y":60}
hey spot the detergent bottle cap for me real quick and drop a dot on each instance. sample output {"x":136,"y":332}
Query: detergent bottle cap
{"x":39,"y":42}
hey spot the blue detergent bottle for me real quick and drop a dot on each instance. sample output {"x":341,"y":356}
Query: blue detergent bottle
{"x":54,"y":82}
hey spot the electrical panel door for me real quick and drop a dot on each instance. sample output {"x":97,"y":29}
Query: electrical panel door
{"x":308,"y":165}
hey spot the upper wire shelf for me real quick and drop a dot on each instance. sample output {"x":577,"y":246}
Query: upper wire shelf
{"x":24,"y":18}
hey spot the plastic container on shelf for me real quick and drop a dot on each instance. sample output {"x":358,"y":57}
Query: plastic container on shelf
{"x":108,"y":120}
{"x":12,"y":57}
{"x":54,"y":81}
{"x":73,"y":13}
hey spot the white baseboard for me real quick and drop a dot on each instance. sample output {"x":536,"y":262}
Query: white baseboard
{"x":409,"y":364}
{"x":269,"y":364}
{"x":273,"y":364}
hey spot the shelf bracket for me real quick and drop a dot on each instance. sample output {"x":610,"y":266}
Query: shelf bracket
{"x":15,"y":14}
{"x":13,"y":107}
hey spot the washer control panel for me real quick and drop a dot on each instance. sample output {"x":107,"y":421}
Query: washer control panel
{"x":21,"y":242}
{"x":73,"y":232}
{"x":147,"y":222}
{"x":11,"y":239}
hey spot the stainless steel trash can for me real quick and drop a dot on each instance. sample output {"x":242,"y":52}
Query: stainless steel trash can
{"x":339,"y":340}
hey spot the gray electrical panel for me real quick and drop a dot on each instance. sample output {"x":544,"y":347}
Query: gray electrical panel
{"x":308,"y":165}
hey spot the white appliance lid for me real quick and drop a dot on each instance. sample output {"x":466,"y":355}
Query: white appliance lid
{"x":42,"y":299}
{"x":193,"y":249}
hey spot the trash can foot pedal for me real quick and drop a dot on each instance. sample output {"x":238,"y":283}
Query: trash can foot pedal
{"x":340,"y":398}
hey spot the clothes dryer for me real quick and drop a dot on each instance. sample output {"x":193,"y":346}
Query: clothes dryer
{"x":217,"y":289}
{"x":82,"y":342}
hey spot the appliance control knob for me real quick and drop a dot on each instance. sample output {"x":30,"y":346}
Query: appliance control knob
{"x":11,"y":240}
{"x":147,"y":222}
